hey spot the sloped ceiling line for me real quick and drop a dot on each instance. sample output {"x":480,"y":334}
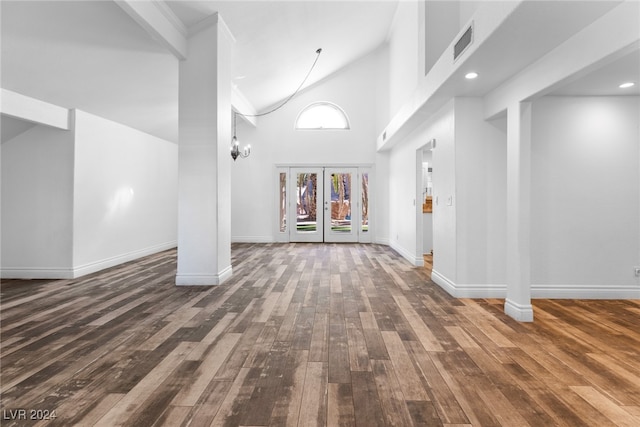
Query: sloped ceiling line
{"x":153,"y":19}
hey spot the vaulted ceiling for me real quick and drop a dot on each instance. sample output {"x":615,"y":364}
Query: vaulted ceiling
{"x":91,"y":55}
{"x":276,"y":40}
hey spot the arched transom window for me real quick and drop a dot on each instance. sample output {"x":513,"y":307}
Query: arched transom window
{"x":322,"y":116}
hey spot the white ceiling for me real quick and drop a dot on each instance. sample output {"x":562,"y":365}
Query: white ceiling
{"x":276,"y":40}
{"x":605,"y":81}
{"x":520,"y":41}
{"x":11,"y":127}
{"x":91,"y":55}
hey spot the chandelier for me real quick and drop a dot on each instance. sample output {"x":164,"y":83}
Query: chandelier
{"x":246,"y":150}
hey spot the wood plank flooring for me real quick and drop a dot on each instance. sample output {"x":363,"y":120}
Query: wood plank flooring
{"x":306,"y":335}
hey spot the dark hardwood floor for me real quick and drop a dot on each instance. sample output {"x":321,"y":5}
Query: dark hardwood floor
{"x":305,"y":335}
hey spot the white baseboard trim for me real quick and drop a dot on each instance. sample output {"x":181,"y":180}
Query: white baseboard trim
{"x":204,"y":279}
{"x":520,"y":312}
{"x":30,"y":273}
{"x":252,"y":239}
{"x":559,"y":291}
{"x":406,"y":254}
{"x":78,"y":271}
{"x":468,"y":290}
{"x":444,"y":283}
{"x":553,"y":291}
{"x":382,"y":241}
{"x":225,"y":274}
{"x":121,"y":259}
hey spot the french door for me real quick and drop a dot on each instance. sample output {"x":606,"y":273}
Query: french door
{"x":340,"y":205}
{"x":305,"y":205}
{"x":324,"y":204}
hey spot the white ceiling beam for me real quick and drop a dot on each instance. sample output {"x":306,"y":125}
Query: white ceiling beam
{"x":605,"y":40}
{"x":160,"y":22}
{"x":33,"y":110}
{"x":240,"y":104}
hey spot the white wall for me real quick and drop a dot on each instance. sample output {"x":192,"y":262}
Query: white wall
{"x":404,"y":66}
{"x":125,"y":197}
{"x":585,"y":196}
{"x":469,"y":198}
{"x":275,"y":142}
{"x":404,"y":200}
{"x":467,"y":9}
{"x":442,"y":24}
{"x":381,"y":194}
{"x":481,"y":169}
{"x":37,"y":201}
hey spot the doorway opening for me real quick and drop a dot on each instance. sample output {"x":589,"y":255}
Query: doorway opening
{"x":324,"y":204}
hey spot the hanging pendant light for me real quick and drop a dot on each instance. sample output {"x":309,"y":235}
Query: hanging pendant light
{"x":246,"y":151}
{"x":235,"y":145}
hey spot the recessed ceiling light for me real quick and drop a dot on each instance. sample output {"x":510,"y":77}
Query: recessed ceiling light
{"x":626,"y":85}
{"x":472,"y":75}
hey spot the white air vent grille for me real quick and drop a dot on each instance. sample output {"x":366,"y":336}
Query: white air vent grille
{"x":463,"y":42}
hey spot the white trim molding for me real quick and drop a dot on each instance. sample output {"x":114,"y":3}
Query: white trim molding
{"x":29,"y":273}
{"x":55,"y":273}
{"x":406,"y":254}
{"x":252,"y":239}
{"x":162,"y":25}
{"x":95,"y":266}
{"x":564,"y":291}
{"x":520,"y":312}
{"x":204,"y":279}
{"x":33,"y":110}
{"x":469,"y":290}
{"x":538,"y":291}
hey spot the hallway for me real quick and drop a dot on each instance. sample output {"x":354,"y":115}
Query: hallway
{"x":309,"y":334}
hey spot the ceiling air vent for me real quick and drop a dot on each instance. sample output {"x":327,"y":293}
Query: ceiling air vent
{"x":463,"y":42}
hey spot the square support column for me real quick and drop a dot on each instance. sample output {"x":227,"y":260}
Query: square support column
{"x":518,"y":301}
{"x":204,"y":187}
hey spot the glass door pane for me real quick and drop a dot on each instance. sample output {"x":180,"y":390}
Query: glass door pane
{"x":283,"y":202}
{"x":340,"y":205}
{"x":306,"y":188}
{"x":365,"y":203}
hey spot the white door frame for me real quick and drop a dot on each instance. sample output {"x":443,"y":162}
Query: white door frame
{"x":316,"y":233}
{"x":286,"y":228}
{"x":331,"y":235}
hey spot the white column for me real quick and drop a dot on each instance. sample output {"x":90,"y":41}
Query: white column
{"x":518,"y":301}
{"x":204,"y":188}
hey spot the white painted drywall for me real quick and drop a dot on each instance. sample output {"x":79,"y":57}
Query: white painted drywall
{"x":403,"y":192}
{"x":442,"y":24}
{"x":274,"y":141}
{"x":467,"y":9}
{"x":33,"y":110}
{"x":585,"y":204}
{"x":480,"y":195}
{"x":404,"y":69}
{"x":37,"y":201}
{"x":90,"y":55}
{"x":469,"y":194}
{"x":402,"y":200}
{"x":125,"y":197}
